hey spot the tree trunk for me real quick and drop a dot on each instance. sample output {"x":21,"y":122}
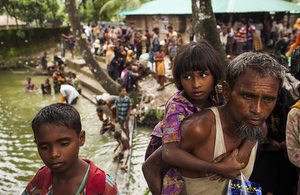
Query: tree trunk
{"x":205,"y":26}
{"x":102,"y":77}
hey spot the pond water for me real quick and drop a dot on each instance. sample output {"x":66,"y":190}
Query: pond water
{"x":19,"y":159}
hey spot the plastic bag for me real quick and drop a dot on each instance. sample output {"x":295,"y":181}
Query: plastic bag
{"x":243,"y":187}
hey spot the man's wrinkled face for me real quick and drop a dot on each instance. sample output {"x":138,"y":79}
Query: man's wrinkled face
{"x":251,"y":101}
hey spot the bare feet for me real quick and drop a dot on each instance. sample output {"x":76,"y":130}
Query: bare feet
{"x":161,"y":87}
{"x":124,"y":166}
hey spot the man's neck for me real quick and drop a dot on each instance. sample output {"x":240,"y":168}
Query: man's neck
{"x":227,"y":120}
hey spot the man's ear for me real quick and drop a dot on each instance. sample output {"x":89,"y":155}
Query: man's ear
{"x":82,"y":138}
{"x":226,"y":90}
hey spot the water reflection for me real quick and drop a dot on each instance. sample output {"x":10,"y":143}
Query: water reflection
{"x":19,"y":160}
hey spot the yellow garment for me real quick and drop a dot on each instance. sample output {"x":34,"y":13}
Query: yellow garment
{"x":129,"y":56}
{"x":63,"y":99}
{"x":160,"y":68}
{"x":110,"y":54}
{"x":297,"y":105}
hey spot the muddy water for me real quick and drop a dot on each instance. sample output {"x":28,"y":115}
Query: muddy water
{"x":19,"y":160}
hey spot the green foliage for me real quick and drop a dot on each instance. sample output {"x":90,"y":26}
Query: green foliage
{"x":118,"y":5}
{"x":12,"y":64}
{"x":147,"y":191}
{"x":77,"y":52}
{"x":20,"y":33}
{"x":88,"y":11}
{"x":159,"y":114}
{"x":13,"y":52}
{"x":32,"y":10}
{"x":1,"y":60}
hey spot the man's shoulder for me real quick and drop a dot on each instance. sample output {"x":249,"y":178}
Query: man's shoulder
{"x":199,"y":124}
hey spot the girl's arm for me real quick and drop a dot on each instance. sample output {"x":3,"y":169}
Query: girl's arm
{"x":171,"y":151}
{"x":153,"y":168}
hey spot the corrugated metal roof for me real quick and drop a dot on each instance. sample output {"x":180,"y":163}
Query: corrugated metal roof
{"x":166,"y":7}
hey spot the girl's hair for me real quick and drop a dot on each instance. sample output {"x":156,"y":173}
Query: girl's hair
{"x":196,"y":56}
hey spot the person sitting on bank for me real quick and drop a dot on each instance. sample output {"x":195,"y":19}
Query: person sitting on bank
{"x":29,"y":86}
{"x":123,"y":142}
{"x":107,"y":125}
{"x":109,"y":101}
{"x":69,"y":93}
{"x":58,"y":135}
{"x":46,"y":89}
{"x":130,"y":78}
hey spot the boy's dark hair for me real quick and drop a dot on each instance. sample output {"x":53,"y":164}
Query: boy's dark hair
{"x":128,"y":63}
{"x":99,"y":109}
{"x":120,"y":89}
{"x":58,"y":114}
{"x":196,"y":56}
{"x":170,"y":27}
{"x":131,"y":23}
{"x":117,"y":134}
{"x":146,"y":30}
{"x":99,"y":102}
{"x":45,"y":53}
{"x":28,"y":78}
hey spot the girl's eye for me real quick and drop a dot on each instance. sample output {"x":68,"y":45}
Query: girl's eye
{"x":187,"y":77}
{"x":203,"y":75}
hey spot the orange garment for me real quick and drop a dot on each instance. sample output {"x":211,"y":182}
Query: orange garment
{"x":297,"y":42}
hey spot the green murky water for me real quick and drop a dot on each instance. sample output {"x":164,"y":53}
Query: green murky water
{"x":19,"y":160}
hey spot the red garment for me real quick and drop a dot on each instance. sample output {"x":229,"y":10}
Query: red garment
{"x":241,"y":35}
{"x":138,"y":45}
{"x":148,"y":37}
{"x":96,"y":183}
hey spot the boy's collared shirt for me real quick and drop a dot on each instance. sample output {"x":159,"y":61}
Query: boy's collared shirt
{"x":98,"y":182}
{"x":123,"y":106}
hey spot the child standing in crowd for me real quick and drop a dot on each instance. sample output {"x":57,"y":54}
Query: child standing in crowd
{"x":151,"y":56}
{"x":123,"y":107}
{"x":58,"y":135}
{"x":107,"y":125}
{"x":173,"y":51}
{"x":160,"y":67}
{"x":155,"y":40}
{"x":240,"y":38}
{"x":46,"y":89}
{"x":196,"y":72}
{"x":148,"y":41}
{"x":123,"y":142}
{"x":138,"y":45}
{"x":250,"y":34}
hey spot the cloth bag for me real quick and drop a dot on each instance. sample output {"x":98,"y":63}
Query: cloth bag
{"x":243,"y":187}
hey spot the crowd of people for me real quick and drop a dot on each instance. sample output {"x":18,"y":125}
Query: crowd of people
{"x":252,"y":35}
{"x":209,"y":134}
{"x":124,"y":47}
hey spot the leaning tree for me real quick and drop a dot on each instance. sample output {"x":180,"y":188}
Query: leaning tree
{"x":102,"y":77}
{"x":205,"y":26}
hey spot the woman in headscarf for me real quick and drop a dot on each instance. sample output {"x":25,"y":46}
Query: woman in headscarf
{"x":110,"y":54}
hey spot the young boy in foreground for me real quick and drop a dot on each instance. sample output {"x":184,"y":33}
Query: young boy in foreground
{"x":58,"y":135}
{"x":123,"y":106}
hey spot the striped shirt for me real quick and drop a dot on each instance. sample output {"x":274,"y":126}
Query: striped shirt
{"x":123,"y":106}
